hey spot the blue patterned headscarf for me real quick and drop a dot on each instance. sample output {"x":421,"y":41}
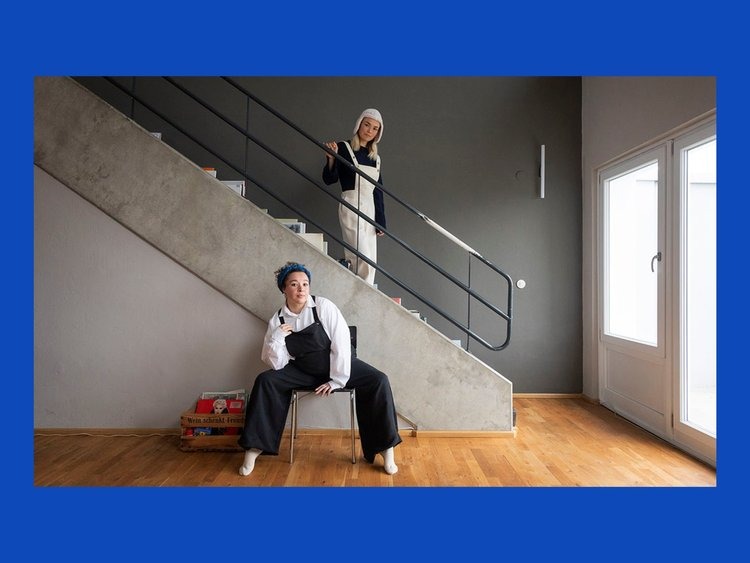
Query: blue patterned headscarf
{"x":287,"y":269}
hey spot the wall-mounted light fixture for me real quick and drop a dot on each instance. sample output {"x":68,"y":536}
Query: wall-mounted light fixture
{"x":541,"y":172}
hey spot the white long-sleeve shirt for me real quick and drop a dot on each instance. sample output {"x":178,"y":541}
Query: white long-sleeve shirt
{"x":277,"y":356}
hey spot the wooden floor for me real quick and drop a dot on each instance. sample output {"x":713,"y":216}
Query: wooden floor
{"x":559,"y":442}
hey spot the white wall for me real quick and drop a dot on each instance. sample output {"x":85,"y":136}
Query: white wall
{"x":619,"y":114}
{"x":114,"y":339}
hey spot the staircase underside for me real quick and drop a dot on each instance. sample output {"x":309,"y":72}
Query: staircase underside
{"x":234,"y":246}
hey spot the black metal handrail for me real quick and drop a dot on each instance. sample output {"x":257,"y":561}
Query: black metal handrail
{"x":249,"y":136}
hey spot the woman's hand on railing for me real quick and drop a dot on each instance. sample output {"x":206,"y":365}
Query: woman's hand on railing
{"x":335,"y":148}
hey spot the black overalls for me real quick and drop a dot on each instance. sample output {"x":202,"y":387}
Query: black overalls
{"x":268,"y":405}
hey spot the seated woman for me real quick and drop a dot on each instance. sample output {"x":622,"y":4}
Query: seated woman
{"x":308,"y":346}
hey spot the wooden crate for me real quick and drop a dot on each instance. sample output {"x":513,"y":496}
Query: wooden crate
{"x":190,"y":420}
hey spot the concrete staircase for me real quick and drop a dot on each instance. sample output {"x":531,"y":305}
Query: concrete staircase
{"x":234,"y":246}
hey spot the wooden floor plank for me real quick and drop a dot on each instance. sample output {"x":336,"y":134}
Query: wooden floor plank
{"x":559,"y":443}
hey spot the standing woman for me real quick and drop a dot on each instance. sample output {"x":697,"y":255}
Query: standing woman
{"x":307,"y":345}
{"x":362,"y":152}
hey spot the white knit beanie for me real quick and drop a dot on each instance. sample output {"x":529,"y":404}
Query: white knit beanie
{"x":372,"y":114}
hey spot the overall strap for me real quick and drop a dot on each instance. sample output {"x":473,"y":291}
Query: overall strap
{"x":355,"y":162}
{"x":314,"y":310}
{"x":351,"y":153}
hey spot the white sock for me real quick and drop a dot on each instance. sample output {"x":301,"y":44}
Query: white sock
{"x":388,"y":463}
{"x":249,"y":464}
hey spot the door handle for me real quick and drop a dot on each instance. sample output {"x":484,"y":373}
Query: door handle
{"x":656,"y":257}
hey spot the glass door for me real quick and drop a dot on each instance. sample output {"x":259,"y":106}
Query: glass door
{"x":695,"y":389}
{"x":634,"y":373}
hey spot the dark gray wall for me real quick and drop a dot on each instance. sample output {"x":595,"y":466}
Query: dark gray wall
{"x":462,"y":150}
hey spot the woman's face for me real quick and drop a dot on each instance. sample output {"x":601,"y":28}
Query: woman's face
{"x":368,"y":130}
{"x":296,"y":290}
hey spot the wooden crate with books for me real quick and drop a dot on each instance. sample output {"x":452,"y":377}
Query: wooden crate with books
{"x":214,"y":422}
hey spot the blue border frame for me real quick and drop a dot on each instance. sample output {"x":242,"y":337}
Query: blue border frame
{"x":385,"y":38}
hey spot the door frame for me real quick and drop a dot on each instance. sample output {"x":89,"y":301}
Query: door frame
{"x":687,"y":438}
{"x":687,"y":441}
{"x":653,"y":416}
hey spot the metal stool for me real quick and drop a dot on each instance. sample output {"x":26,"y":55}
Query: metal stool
{"x":298,"y":394}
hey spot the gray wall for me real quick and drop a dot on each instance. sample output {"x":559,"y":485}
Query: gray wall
{"x":464,"y":151}
{"x":620,"y":114}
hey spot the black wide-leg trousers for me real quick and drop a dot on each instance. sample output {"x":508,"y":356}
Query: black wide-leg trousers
{"x":268,"y":407}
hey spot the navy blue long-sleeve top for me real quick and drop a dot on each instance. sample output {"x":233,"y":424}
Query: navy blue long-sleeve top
{"x":347,"y":177}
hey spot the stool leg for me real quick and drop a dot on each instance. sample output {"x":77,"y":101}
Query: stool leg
{"x":293,"y":430}
{"x":351,"y":416}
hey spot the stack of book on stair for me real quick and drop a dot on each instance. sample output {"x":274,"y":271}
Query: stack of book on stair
{"x":294,"y":225}
{"x":316,"y":239}
{"x":235,"y":185}
{"x":417,"y":314}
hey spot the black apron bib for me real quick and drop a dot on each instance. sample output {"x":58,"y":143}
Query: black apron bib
{"x":310,"y":347}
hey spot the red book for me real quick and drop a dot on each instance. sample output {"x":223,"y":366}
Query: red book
{"x":204,"y":406}
{"x":220,"y":406}
{"x":236,"y":405}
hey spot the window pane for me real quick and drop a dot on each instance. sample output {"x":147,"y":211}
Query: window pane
{"x":700,"y":310}
{"x":632,"y":242}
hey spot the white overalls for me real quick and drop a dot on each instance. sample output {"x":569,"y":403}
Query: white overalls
{"x":356,"y":231}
